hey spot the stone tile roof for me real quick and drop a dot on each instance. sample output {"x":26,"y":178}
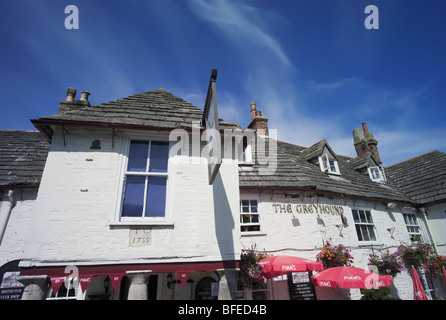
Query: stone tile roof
{"x":22,"y":157}
{"x":295,"y":171}
{"x":422,"y":178}
{"x":316,"y":149}
{"x":157,"y":108}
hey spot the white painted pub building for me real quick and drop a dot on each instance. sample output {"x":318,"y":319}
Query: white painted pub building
{"x":102,"y":203}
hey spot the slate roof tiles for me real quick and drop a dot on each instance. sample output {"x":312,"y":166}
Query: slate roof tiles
{"x":22,"y":158}
{"x":422,"y":178}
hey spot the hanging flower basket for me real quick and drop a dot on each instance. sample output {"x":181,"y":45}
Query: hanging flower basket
{"x":387,"y":263}
{"x":250,"y":269}
{"x":434,"y":265}
{"x":334,"y":256}
{"x":415,"y":255}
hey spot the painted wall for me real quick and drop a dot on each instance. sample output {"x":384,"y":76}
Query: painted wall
{"x":74,"y":220}
{"x":11,"y":247}
{"x":436,"y":217}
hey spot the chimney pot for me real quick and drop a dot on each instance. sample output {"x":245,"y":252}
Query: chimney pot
{"x":364,"y":127}
{"x":253,"y":110}
{"x":84,"y":95}
{"x":71,"y":93}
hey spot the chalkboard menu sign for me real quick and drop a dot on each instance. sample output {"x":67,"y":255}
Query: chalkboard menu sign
{"x":300,"y":286}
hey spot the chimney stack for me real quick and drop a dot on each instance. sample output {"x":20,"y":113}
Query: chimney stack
{"x":70,"y":104}
{"x":258,"y":122}
{"x":365,"y":142}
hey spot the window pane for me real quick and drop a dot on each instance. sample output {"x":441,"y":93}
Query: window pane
{"x":156,"y":197}
{"x":358,"y":232}
{"x":159,"y":154}
{"x":134,"y":196}
{"x":406,"y":218}
{"x":253,"y":204}
{"x":332,"y":166}
{"x":362,"y":216}
{"x":255,"y":218}
{"x":365,"y":233}
{"x":245,"y":218}
{"x":245,"y":206}
{"x":138,"y":156}
{"x":371,"y":233}
{"x":355,"y":215}
{"x":368,"y":216}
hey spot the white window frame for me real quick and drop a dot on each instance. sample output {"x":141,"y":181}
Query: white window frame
{"x":367,"y":224}
{"x":411,"y":225}
{"x":381,"y":176}
{"x":117,"y":218}
{"x":326,"y":166}
{"x":260,"y":223}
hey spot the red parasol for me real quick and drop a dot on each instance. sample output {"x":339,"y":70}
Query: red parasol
{"x":444,"y":276}
{"x":278,"y":265}
{"x":350,"y":277}
{"x":418,"y":291}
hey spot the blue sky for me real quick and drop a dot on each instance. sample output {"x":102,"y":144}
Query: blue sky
{"x":311,"y":66}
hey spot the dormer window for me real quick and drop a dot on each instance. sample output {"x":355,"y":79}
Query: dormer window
{"x":328,"y":164}
{"x":376,"y":174}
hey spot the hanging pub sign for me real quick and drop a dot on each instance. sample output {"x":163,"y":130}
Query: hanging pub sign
{"x":212,"y":128}
{"x":300,"y":286}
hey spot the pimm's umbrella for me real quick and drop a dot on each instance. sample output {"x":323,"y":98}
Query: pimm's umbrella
{"x":418,"y":291}
{"x":278,"y":265}
{"x":350,"y":277}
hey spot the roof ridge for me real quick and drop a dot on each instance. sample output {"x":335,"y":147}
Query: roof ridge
{"x":15,"y":130}
{"x":314,"y":144}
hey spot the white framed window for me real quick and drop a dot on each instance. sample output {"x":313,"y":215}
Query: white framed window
{"x":365,"y":227}
{"x":250,"y":220}
{"x":328,"y":165}
{"x":143,"y":185}
{"x":376,"y":174}
{"x":413,"y":228}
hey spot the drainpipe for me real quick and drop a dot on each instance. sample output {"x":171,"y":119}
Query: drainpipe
{"x":423,"y":211}
{"x":4,"y":217}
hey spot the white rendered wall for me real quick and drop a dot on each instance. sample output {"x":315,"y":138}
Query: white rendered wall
{"x":74,"y":218}
{"x":11,"y":247}
{"x":436,"y":218}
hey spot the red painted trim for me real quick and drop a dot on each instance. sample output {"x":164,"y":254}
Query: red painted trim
{"x":59,"y":271}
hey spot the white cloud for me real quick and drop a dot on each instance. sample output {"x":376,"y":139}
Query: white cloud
{"x":239,"y":23}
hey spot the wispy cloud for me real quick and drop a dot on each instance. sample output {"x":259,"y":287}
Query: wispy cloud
{"x":240,"y":23}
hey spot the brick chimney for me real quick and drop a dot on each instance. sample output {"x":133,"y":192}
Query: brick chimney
{"x":70,"y":104}
{"x":258,"y":122}
{"x":365,"y":142}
